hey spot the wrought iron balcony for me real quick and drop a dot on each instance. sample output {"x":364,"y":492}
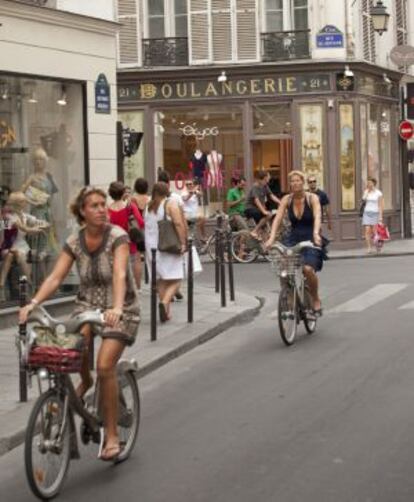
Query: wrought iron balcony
{"x":285,"y":45}
{"x":165,"y":51}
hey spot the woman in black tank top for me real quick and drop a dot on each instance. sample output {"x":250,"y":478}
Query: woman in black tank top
{"x":304,"y":213}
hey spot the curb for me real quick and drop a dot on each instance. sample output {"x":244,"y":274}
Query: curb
{"x":372,"y":256}
{"x":15,"y":439}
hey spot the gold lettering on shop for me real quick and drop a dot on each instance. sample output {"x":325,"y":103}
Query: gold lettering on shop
{"x":269,"y":85}
{"x":280,"y":85}
{"x":255,"y":87}
{"x":166,"y":91}
{"x":241,"y":87}
{"x":211,"y":90}
{"x":291,"y":84}
{"x":148,"y":91}
{"x":194,"y":94}
{"x":227,"y":87}
{"x":182,"y":90}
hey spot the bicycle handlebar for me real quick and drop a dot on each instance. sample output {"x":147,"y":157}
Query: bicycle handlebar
{"x":72,"y":325}
{"x":298,"y":248}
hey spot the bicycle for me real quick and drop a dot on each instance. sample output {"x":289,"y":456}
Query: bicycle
{"x":209,"y":246}
{"x":51,"y":439}
{"x":295,"y":302}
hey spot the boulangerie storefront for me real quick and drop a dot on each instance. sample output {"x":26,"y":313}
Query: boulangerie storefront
{"x":276,"y":118}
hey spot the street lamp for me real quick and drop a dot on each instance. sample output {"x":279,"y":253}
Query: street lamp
{"x":380,"y":17}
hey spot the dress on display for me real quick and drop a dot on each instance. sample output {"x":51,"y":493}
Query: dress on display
{"x":214,"y":160}
{"x":198,"y":164}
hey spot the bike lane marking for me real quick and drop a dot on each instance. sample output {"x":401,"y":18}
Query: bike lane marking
{"x":372,"y":296}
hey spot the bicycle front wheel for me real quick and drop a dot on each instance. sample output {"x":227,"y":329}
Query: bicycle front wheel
{"x":47,"y":446}
{"x":128,"y":413}
{"x":288,"y":314}
{"x":244,"y":247}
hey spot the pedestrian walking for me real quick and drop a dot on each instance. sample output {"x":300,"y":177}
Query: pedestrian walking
{"x":120,"y":212}
{"x":372,"y":210}
{"x":323,"y":199}
{"x":170,"y":270}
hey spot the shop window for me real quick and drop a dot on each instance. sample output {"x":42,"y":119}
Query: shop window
{"x":41,"y":169}
{"x":373,"y":144}
{"x":312,"y":150}
{"x":364,"y":145}
{"x":385,"y":145}
{"x":347,"y":156}
{"x":134,"y":165}
{"x":275,"y":119}
{"x":203,"y":142}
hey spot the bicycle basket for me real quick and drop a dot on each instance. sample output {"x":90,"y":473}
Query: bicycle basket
{"x":286,"y":266}
{"x":58,"y":353}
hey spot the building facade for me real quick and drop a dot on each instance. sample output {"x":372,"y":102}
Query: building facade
{"x":275,"y":85}
{"x":58,"y":112}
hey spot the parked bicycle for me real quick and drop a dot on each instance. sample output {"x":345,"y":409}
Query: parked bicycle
{"x":208,"y":246}
{"x":51,"y":439}
{"x":295,"y":302}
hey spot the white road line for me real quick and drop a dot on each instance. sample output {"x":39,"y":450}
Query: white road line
{"x":372,"y":296}
{"x":407,"y":306}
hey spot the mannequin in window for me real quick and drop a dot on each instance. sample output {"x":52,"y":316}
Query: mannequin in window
{"x":214,"y":162}
{"x":198,"y":163}
{"x":17,"y":247}
{"x":39,"y":189}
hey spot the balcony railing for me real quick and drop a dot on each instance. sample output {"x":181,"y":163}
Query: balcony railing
{"x":285,"y":45}
{"x":165,"y":51}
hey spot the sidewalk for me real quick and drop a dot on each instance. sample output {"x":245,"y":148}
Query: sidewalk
{"x":400,"y":247}
{"x":174,"y":338}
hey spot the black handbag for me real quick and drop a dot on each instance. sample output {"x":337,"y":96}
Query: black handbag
{"x":168,"y":239}
{"x":362,"y":208}
{"x":136,"y":235}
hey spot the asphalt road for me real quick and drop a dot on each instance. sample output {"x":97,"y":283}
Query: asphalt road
{"x":243,"y":418}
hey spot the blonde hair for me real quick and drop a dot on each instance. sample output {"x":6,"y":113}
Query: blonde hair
{"x":16,"y":199}
{"x":296,"y":173}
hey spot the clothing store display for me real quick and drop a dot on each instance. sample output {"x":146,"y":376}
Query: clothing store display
{"x":198,"y":164}
{"x":214,"y":160}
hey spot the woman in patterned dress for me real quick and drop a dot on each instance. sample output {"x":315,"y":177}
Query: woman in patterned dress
{"x":101,"y":253}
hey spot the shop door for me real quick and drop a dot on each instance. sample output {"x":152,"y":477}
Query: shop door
{"x":275,"y":157}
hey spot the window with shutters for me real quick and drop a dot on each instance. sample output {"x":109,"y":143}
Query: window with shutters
{"x":129,"y":35}
{"x":285,"y":15}
{"x":368,"y":33}
{"x":223,"y":31}
{"x":401,"y":21}
{"x":165,"y":18}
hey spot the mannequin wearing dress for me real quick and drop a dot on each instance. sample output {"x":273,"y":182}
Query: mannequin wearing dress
{"x":214,"y":161}
{"x":198,"y":164}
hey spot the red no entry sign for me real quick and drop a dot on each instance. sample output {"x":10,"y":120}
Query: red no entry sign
{"x":406,"y":130}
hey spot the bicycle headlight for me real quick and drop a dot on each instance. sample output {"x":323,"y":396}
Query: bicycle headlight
{"x":289,"y":252}
{"x":283,"y":274}
{"x":43,"y":374}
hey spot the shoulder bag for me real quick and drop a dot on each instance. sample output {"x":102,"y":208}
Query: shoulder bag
{"x":135,"y":233}
{"x":168,"y":239}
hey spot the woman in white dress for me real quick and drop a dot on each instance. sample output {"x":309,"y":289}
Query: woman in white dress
{"x":373,"y":211}
{"x":170,"y":270}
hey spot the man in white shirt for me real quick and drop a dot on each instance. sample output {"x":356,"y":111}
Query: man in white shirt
{"x":192,"y":212}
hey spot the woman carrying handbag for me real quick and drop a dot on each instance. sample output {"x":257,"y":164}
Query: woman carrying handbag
{"x":165,"y":231}
{"x":372,"y":213}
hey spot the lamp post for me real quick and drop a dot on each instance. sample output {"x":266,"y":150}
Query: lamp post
{"x":380,"y":17}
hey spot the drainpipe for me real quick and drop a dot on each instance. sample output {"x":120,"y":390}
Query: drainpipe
{"x":350,"y":44}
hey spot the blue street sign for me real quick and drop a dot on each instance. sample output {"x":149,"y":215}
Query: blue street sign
{"x":330,"y":38}
{"x":102,"y":95}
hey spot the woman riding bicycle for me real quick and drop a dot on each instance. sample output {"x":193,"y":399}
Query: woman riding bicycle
{"x":101,"y":253}
{"x":304,"y":212}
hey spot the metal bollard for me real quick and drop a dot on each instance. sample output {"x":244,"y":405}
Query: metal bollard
{"x":219,"y":222}
{"x":22,"y":333}
{"x":153,"y":295}
{"x":222,"y":270}
{"x":146,"y":274}
{"x":230,"y":265}
{"x":190,"y":283}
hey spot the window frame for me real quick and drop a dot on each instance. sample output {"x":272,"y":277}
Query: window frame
{"x":288,"y":16}
{"x":169,"y":19}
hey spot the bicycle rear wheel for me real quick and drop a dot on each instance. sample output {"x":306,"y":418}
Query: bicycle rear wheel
{"x":288,"y":314}
{"x":309,"y":319}
{"x":47,"y":446}
{"x":128,"y":413}
{"x":244,"y":247}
